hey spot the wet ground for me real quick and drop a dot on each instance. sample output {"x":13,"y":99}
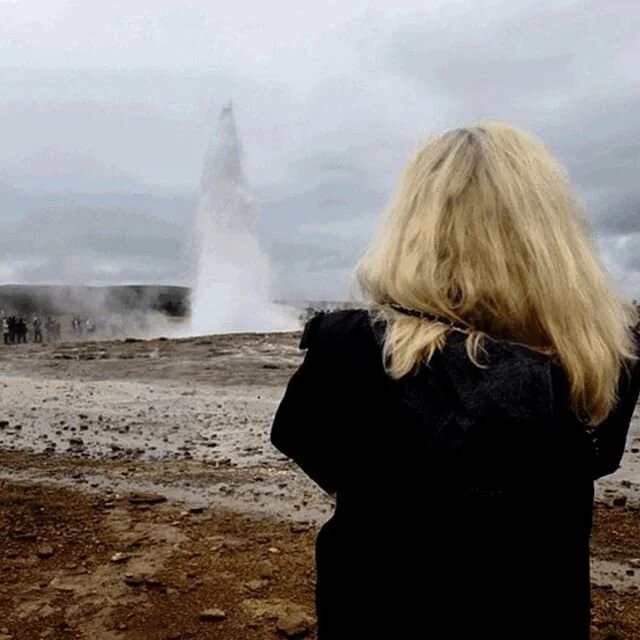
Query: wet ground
{"x":191,"y":417}
{"x":138,"y":489}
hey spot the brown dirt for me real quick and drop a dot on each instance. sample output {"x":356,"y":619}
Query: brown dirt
{"x":61,"y":577}
{"x":616,"y":532}
{"x":616,"y":537}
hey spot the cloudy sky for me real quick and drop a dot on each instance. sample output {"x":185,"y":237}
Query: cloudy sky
{"x":107,"y":107}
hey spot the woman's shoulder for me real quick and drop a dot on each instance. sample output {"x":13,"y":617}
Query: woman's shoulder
{"x":348,"y":329}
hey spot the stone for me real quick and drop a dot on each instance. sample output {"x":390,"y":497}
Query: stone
{"x":25,"y":536}
{"x":266,"y":569}
{"x":635,"y":563}
{"x":255,"y":585}
{"x":45,"y":552}
{"x":119,"y":558}
{"x":134,"y":581}
{"x":68,"y":584}
{"x":619,"y":501}
{"x":213,"y":615}
{"x":300,"y":527}
{"x":156,"y":585}
{"x":293,"y":625}
{"x":232,"y":544}
{"x":146,"y":498}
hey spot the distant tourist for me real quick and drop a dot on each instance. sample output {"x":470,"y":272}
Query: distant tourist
{"x":37,"y":330}
{"x":50,"y":329}
{"x":76,"y":326}
{"x":21,"y":331}
{"x":5,"y":330}
{"x":12,"y":322}
{"x":462,"y":415}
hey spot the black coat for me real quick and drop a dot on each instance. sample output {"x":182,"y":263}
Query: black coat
{"x":464,"y":495}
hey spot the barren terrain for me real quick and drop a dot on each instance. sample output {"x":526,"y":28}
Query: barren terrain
{"x":140,"y":497}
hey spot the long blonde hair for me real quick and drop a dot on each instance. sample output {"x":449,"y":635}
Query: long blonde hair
{"x":486,"y":231}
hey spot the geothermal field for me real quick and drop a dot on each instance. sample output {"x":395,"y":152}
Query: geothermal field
{"x":141,"y":498}
{"x":139,"y":492}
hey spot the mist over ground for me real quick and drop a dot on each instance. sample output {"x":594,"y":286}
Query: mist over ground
{"x":30,"y":300}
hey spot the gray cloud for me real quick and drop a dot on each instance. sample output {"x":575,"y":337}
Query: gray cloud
{"x":110,"y":97}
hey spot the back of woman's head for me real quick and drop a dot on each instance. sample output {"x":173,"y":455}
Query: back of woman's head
{"x":485,"y":230}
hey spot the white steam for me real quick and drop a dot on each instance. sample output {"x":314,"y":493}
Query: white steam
{"x":233,"y":280}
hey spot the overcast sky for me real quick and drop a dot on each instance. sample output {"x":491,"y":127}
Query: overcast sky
{"x":330,"y":98}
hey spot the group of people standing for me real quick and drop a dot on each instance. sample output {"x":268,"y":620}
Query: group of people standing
{"x":81,"y":326}
{"x":15,"y":329}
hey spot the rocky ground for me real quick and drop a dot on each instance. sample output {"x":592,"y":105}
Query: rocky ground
{"x":140,"y":498}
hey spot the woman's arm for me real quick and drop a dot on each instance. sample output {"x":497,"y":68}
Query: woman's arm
{"x":610,"y":437}
{"x":305,"y":425}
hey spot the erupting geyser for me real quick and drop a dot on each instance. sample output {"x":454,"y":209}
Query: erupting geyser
{"x":233,"y":281}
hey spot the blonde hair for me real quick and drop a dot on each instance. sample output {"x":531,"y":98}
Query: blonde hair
{"x":485,"y":231}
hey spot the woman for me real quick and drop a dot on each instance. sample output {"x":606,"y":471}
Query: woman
{"x":463,"y":415}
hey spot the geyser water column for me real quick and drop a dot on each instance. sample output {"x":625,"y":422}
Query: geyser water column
{"x":233,"y":280}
